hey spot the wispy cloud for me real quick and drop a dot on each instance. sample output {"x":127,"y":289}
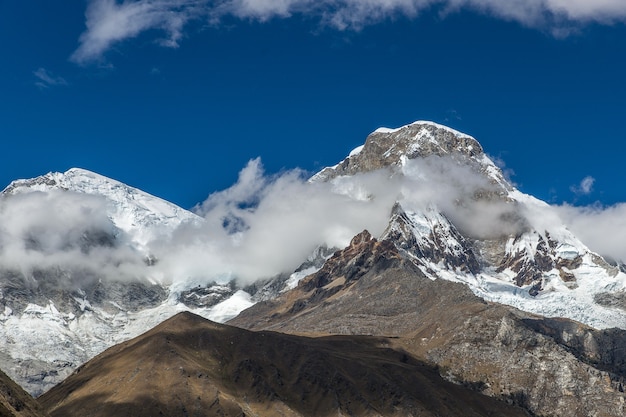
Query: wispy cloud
{"x":109,"y":21}
{"x":598,"y":227}
{"x":585,"y":187}
{"x":45,"y":79}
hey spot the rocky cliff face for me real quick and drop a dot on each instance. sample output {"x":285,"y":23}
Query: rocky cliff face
{"x":457,"y":229}
{"x":448,"y":294}
{"x":386,"y":148}
{"x":430,"y":239}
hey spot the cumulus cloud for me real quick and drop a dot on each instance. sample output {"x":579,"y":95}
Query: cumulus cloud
{"x":264,"y":224}
{"x":466,"y":197}
{"x":45,"y":79}
{"x":110,"y":21}
{"x":268,"y":224}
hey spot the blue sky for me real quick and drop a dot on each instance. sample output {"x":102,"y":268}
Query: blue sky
{"x":176,"y":96}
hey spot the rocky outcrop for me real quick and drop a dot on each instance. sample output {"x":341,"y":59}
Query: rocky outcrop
{"x":389,"y":147}
{"x":431,"y":239}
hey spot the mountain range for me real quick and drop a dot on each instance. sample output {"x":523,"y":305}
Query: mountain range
{"x":474,"y":288}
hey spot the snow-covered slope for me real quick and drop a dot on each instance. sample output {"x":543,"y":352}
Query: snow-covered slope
{"x":77,"y":274}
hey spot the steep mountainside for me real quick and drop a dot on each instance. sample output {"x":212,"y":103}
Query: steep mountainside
{"x":551,"y":367}
{"x":140,"y":216}
{"x":85,"y":261}
{"x":189,"y":366}
{"x":463,"y":248}
{"x":15,"y":402}
{"x":460,"y":219}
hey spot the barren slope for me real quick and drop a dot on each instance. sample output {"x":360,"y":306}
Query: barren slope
{"x":189,"y":366}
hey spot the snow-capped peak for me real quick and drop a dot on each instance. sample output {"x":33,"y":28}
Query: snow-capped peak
{"x":506,"y":246}
{"x":141,"y":215}
{"x":392,"y":148}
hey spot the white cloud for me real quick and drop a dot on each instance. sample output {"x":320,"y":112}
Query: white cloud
{"x":109,"y":21}
{"x":600,"y":228}
{"x":585,"y":187}
{"x":67,"y":231}
{"x":264,"y":225}
{"x":45,"y":79}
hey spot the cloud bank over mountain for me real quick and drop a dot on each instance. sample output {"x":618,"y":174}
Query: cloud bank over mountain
{"x":109,"y":21}
{"x":265,"y":224}
{"x":64,"y":231}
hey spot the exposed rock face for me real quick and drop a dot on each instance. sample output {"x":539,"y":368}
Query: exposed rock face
{"x":438,"y":239}
{"x":507,"y":356}
{"x":390,"y":147}
{"x":189,"y":366}
{"x":550,"y":367}
{"x":53,"y":318}
{"x":429,"y":236}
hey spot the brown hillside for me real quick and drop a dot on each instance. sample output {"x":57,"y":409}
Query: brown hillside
{"x":15,"y":402}
{"x":189,"y":366}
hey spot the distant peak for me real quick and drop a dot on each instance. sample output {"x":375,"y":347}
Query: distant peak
{"x":185,"y":321}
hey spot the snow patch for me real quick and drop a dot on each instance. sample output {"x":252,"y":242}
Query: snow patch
{"x":230,"y":308}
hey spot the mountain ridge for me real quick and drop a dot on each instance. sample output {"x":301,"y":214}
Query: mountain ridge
{"x":435,"y":222}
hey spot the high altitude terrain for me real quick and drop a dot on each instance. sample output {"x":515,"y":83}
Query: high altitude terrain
{"x":464,"y":272}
